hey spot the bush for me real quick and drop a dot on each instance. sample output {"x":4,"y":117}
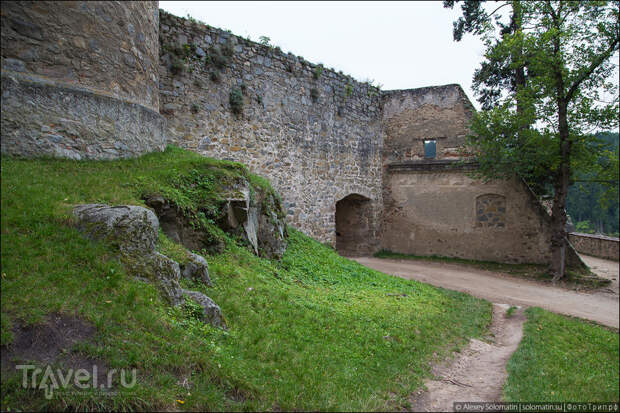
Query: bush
{"x":348,"y":89}
{"x":219,"y":59}
{"x":194,"y":108}
{"x":177,"y":66}
{"x":236,"y":101}
{"x":317,"y":72}
{"x":228,"y":50}
{"x":314,"y":94}
{"x":214,"y":76}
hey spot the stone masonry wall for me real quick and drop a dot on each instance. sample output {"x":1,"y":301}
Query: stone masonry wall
{"x":315,"y":134}
{"x":413,"y":115}
{"x":596,"y":245}
{"x":441,"y":213}
{"x":80,"y":79}
{"x":108,"y":47}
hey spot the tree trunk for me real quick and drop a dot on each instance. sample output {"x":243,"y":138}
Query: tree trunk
{"x":558,"y":210}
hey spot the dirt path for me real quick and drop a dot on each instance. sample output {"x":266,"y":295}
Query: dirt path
{"x":606,"y":269}
{"x":477,"y":373}
{"x":598,"y":306}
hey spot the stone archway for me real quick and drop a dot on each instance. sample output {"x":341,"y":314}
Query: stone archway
{"x":353,"y":224}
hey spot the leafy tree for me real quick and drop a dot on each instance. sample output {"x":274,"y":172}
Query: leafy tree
{"x":540,"y":127}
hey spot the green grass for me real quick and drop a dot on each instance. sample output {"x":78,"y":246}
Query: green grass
{"x":563,"y":359}
{"x":313,"y":331}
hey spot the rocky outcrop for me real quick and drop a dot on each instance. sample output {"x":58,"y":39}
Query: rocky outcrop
{"x":134,"y":231}
{"x":178,"y":226}
{"x":253,"y":213}
{"x":258,"y":217}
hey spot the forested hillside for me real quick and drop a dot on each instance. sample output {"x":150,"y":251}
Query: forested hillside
{"x":592,"y":206}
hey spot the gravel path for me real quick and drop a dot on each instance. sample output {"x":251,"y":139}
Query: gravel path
{"x":600,"y":306}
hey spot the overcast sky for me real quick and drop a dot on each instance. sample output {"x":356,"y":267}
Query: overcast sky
{"x":400,"y":45}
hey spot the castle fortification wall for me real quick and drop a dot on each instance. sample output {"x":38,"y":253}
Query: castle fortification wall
{"x":106,"y":80}
{"x":317,"y":135}
{"x":80,"y":79}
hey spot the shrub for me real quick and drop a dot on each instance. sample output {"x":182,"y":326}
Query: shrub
{"x":264,"y":40}
{"x":314,"y":94}
{"x":219,"y":60}
{"x":236,"y":101}
{"x":317,"y":72}
{"x":177,"y":66}
{"x":348,"y":90}
{"x":228,"y":50}
{"x":259,"y":99}
{"x":194,"y":108}
{"x":189,"y":49}
{"x":244,"y":89}
{"x":214,"y":76}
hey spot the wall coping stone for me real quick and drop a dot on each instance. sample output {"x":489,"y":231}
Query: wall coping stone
{"x":597,"y":236}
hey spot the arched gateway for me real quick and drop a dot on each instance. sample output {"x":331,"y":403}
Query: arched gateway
{"x":353,"y":225}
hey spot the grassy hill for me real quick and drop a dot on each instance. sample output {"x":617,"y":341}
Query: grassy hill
{"x":312,"y":331}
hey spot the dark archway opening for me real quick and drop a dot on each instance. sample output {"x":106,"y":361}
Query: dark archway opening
{"x":353,"y":223}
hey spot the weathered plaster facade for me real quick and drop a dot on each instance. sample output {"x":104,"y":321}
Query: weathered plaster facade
{"x":106,"y":80}
{"x":433,"y":206}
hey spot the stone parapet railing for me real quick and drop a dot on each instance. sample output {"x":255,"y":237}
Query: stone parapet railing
{"x":596,"y":245}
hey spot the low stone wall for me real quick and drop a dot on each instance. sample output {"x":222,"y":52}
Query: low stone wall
{"x":595,"y":245}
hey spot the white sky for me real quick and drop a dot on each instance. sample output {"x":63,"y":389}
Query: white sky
{"x":400,"y":45}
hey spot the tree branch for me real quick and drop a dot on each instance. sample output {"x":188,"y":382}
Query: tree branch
{"x":593,"y":66}
{"x":493,"y":12}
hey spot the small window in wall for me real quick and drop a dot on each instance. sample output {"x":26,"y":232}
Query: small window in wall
{"x":430,"y":149}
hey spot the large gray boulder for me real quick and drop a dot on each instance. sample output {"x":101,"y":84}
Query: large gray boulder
{"x":157,"y":269}
{"x":133,"y":229}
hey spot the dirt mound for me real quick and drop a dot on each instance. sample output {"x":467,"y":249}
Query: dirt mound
{"x":50,"y":342}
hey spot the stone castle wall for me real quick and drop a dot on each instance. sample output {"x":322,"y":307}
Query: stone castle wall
{"x":80,"y":79}
{"x":106,"y":80}
{"x":316,"y":136}
{"x":434,"y":206}
{"x":411,"y":116}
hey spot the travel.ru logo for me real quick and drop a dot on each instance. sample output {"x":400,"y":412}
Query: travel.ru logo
{"x":49,"y":380}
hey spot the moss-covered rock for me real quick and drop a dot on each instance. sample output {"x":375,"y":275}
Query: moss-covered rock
{"x":134,"y":230}
{"x":248,"y":209}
